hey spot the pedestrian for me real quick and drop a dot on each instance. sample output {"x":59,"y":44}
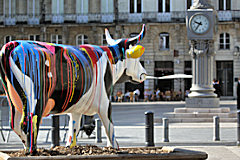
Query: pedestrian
{"x":136,"y":95}
{"x":146,"y":95}
{"x":158,"y":92}
{"x":217,"y":87}
{"x":238,"y":94}
{"x":127,"y":96}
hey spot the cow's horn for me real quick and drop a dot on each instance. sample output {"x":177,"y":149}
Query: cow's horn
{"x":109,"y":39}
{"x":139,"y":37}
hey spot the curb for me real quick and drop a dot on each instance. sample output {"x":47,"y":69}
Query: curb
{"x":177,"y":153}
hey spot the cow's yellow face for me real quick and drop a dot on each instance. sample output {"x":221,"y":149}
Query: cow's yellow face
{"x":135,"y":52}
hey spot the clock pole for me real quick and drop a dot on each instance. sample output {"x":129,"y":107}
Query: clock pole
{"x":202,"y":52}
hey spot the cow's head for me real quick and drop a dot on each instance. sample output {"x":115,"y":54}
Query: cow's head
{"x":130,"y":53}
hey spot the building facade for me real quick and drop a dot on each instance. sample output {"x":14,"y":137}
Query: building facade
{"x":76,"y":22}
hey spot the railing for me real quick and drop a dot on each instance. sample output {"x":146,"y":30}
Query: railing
{"x":174,"y":16}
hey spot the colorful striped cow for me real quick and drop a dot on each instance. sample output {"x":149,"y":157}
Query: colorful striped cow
{"x":43,"y":78}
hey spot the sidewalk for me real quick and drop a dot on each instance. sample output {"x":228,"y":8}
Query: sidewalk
{"x":191,"y":136}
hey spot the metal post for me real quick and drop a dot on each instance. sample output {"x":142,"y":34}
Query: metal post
{"x":216,"y":130}
{"x":55,"y":131}
{"x":238,"y":127}
{"x":165,"y":130}
{"x":149,"y":128}
{"x":98,"y":131}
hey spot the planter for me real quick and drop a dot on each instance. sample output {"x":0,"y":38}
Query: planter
{"x":167,"y":153}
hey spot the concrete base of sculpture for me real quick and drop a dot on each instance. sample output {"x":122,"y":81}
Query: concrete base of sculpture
{"x":176,"y":153}
{"x":202,"y":102}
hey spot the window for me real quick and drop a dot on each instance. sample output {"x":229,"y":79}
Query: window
{"x":58,"y":6}
{"x":164,"y":5}
{"x":34,"y":37}
{"x":33,"y":7}
{"x":224,"y":5}
{"x":107,"y":6}
{"x":163,"y":41}
{"x":81,"y":39}
{"x":163,"y":68}
{"x":10,"y":7}
{"x":189,"y":3}
{"x":133,"y":35}
{"x":135,"y":6}
{"x":224,"y":41}
{"x":188,"y":71}
{"x":55,"y":38}
{"x":8,"y":39}
{"x":81,"y":6}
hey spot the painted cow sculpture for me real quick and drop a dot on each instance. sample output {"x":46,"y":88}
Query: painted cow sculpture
{"x":43,"y":78}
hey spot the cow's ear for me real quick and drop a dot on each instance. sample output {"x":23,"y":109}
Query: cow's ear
{"x":135,"y":52}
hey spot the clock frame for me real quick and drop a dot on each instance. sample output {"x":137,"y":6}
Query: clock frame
{"x":202,"y":24}
{"x":207,"y":35}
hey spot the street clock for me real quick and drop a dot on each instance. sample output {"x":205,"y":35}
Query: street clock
{"x":200,"y":24}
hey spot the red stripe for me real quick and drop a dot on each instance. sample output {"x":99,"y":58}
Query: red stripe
{"x":91,"y":53}
{"x":109,"y":54}
{"x":61,"y":71}
{"x":69,"y":90}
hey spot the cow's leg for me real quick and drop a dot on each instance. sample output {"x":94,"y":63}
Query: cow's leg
{"x":105,"y":115}
{"x":74,"y":126}
{"x":32,"y":132}
{"x":17,"y":127}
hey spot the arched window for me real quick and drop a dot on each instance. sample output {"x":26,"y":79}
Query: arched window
{"x":164,"y":41}
{"x":133,"y":34}
{"x":34,"y":37}
{"x":81,"y":39}
{"x":224,"y":5}
{"x":224,"y":41}
{"x":56,"y":38}
{"x":8,"y":39}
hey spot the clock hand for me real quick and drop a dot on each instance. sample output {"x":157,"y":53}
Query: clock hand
{"x":197,"y":22}
{"x":197,"y":26}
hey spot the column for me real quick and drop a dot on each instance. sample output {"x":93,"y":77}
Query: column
{"x":202,"y":91}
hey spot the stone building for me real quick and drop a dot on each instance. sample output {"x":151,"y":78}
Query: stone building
{"x":77,"y":22}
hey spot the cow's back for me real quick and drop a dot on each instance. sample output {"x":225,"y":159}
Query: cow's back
{"x":59,"y":75}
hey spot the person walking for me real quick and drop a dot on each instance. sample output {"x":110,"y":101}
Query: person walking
{"x":238,"y":94}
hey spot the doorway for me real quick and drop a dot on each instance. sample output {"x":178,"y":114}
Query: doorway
{"x":225,"y":77}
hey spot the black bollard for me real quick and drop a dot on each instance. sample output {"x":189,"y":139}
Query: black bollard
{"x":238,"y":127}
{"x":165,"y":130}
{"x":216,"y":130}
{"x":55,"y":131}
{"x":149,"y":129}
{"x":98,"y":138}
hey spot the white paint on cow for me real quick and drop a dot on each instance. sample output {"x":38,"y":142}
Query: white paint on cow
{"x":94,"y":101}
{"x":26,"y":84}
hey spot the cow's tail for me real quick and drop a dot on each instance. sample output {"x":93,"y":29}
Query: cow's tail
{"x":5,"y":52}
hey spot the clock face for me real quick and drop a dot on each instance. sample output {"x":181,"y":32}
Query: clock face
{"x":199,"y":24}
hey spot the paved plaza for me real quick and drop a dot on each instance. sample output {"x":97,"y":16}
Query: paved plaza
{"x":129,"y":120}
